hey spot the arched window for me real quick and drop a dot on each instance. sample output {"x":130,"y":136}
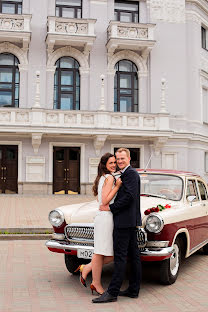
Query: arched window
{"x":126,"y":87}
{"x":9,"y":80}
{"x":67,"y":84}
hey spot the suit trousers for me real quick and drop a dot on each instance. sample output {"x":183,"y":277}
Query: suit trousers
{"x":125,"y":245}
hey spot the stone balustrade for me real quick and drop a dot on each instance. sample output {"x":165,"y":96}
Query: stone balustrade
{"x":71,"y":26}
{"x":15,"y":22}
{"x":28,"y":119}
{"x":130,"y":31}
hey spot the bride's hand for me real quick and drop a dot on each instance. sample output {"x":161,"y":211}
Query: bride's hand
{"x":118,"y":182}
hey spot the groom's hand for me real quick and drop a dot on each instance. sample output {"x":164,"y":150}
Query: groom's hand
{"x":104,"y":208}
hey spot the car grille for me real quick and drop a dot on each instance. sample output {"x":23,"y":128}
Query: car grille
{"x":84,"y":235}
{"x":80,"y":234}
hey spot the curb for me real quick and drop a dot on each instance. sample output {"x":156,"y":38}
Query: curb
{"x":26,"y":231}
{"x":25,"y":236}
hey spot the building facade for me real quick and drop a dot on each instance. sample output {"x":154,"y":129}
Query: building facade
{"x":79,"y":78}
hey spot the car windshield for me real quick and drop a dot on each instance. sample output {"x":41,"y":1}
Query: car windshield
{"x":161,"y":185}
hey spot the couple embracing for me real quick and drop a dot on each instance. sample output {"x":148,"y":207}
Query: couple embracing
{"x":115,"y":227}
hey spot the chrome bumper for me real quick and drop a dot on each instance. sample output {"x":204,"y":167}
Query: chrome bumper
{"x":146,"y":252}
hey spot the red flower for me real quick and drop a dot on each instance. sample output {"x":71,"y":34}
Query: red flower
{"x":157,"y":209}
{"x":167,"y":206}
{"x":147,"y":212}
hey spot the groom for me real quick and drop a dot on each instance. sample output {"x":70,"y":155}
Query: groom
{"x":126,"y":216}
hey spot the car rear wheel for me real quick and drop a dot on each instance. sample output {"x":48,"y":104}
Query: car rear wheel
{"x":72,"y":263}
{"x":169,"y":268}
{"x":205,"y":249}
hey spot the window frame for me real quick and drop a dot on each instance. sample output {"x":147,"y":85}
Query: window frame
{"x":204,"y":38}
{"x":133,"y":75}
{"x":204,"y":187}
{"x":13,"y":83}
{"x":59,"y":70}
{"x":61,"y":6}
{"x":11,"y":2}
{"x":195,"y":185}
{"x":118,"y":11}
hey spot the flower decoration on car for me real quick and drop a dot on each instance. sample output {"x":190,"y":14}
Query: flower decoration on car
{"x":156,"y":209}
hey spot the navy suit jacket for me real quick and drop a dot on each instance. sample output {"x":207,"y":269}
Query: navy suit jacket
{"x":126,"y":207}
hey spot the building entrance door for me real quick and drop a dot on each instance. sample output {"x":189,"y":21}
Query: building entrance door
{"x":66,"y":170}
{"x":8,"y":169}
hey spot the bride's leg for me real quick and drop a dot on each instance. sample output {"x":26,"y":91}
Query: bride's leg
{"x":97,"y":265}
{"x":108,"y":259}
{"x":86,"y":270}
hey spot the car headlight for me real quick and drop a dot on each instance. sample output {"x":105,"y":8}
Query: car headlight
{"x":56,"y":217}
{"x":154,"y":223}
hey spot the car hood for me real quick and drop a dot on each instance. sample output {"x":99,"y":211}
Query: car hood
{"x":85,"y":212}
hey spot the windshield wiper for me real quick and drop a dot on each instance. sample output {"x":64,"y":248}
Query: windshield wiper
{"x":153,"y":195}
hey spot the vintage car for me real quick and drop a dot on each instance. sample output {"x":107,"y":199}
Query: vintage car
{"x":174,"y":207}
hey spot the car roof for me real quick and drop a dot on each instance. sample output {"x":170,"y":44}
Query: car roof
{"x":166,"y":171}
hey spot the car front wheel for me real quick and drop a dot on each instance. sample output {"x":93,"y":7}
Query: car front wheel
{"x":169,"y":268}
{"x":72,"y":263}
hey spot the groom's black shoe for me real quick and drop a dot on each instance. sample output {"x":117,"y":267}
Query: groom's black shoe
{"x":127,"y":293}
{"x":105,"y":297}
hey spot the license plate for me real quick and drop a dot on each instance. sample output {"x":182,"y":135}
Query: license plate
{"x":84,"y":253}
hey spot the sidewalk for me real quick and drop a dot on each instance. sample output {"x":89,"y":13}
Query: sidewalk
{"x":29,"y":213}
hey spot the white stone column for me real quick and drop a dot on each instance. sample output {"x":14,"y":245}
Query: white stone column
{"x":23,"y":86}
{"x":110,"y":91}
{"x":142,"y":86}
{"x":50,"y":71}
{"x":84,"y":89}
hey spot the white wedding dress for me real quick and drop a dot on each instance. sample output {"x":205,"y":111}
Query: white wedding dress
{"x":103,"y":226}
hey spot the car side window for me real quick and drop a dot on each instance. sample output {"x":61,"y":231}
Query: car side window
{"x":192,"y":190}
{"x":202,"y":190}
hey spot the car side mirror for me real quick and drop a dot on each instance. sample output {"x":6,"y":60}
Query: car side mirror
{"x":191,"y":198}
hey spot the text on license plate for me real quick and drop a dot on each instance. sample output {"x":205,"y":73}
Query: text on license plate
{"x":84,"y":253}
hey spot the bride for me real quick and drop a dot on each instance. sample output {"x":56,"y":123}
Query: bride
{"x":105,"y":187}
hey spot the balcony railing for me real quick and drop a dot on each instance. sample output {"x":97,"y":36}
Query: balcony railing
{"x":14,"y":27}
{"x":70,"y":31}
{"x":133,"y":35}
{"x":46,"y":120}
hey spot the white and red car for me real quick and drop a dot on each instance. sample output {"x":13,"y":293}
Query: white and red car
{"x":174,"y":206}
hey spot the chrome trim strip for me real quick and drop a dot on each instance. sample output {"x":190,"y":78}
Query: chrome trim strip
{"x":157,"y":252}
{"x":65,"y":245}
{"x":198,"y":246}
{"x":158,"y":244}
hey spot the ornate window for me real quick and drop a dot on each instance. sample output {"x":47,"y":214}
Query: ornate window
{"x":67,"y":84}
{"x":126,"y":11}
{"x":126,"y":87}
{"x":204,"y":38}
{"x":69,"y":8}
{"x":9,"y":80}
{"x":11,"y":6}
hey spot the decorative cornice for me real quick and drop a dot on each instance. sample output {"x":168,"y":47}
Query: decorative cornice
{"x":13,"y":49}
{"x":68,"y":51}
{"x":129,"y":55}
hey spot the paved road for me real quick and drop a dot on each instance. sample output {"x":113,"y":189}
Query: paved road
{"x":34,"y":279}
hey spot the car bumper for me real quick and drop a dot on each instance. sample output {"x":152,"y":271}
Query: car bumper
{"x":147,"y":254}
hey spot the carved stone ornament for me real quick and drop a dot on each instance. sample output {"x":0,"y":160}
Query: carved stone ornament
{"x":13,"y":49}
{"x":68,"y":51}
{"x":138,"y":60}
{"x":172,"y":11}
{"x":159,"y":144}
{"x":36,"y":141}
{"x":99,"y":141}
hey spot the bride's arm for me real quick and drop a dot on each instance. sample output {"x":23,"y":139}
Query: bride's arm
{"x":108,"y":192}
